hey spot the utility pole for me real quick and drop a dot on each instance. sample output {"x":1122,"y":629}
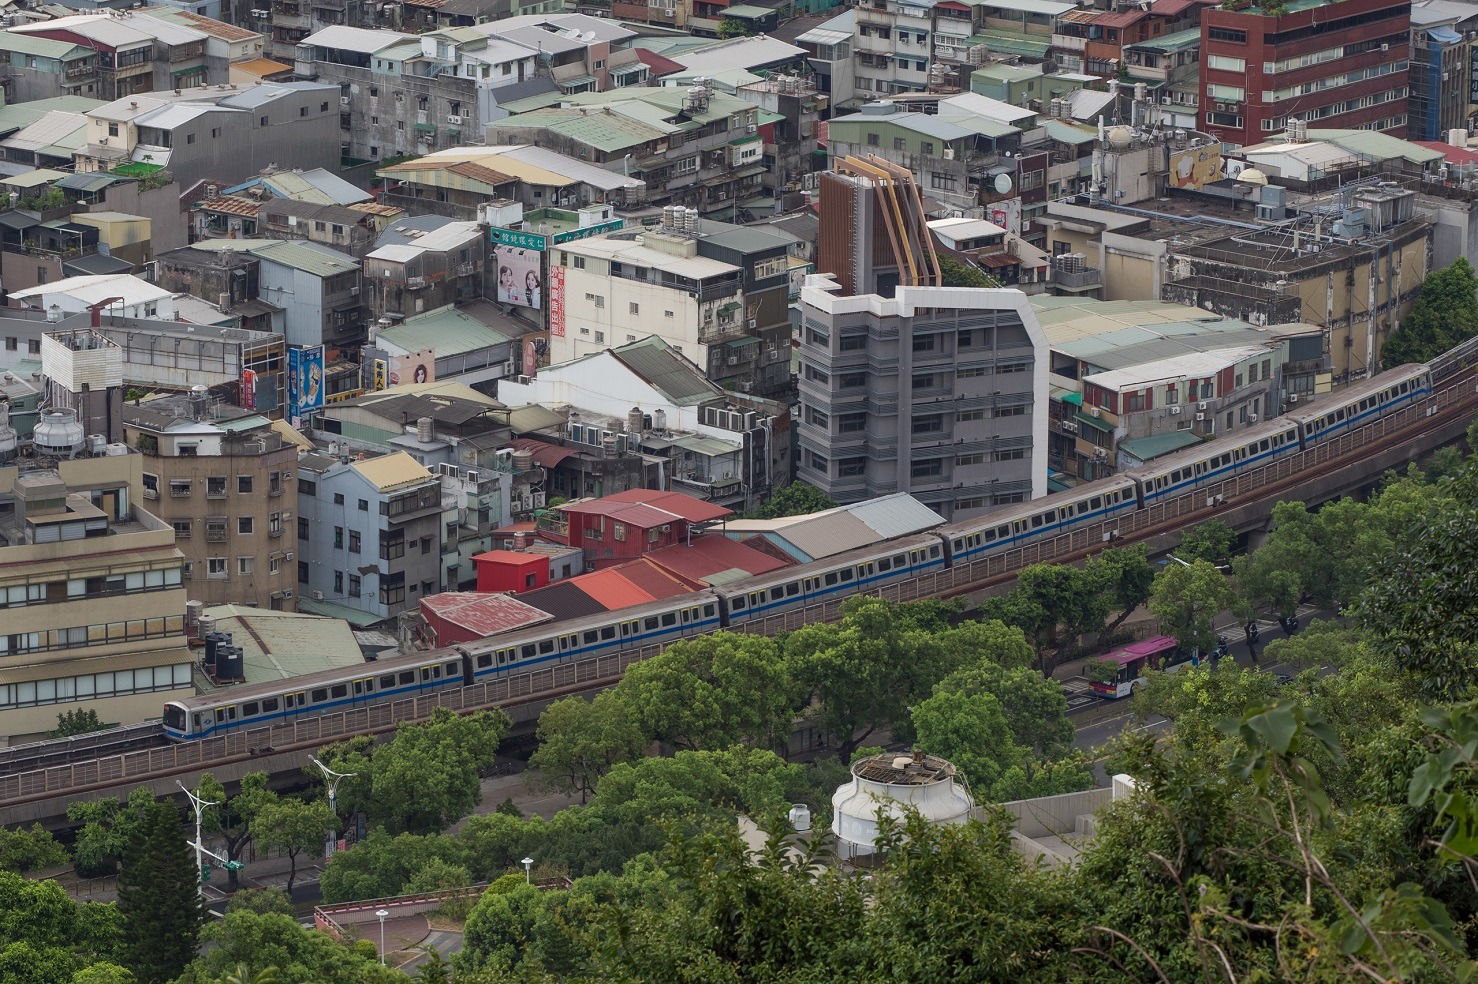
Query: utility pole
{"x":332,"y":778}
{"x":201,"y":851}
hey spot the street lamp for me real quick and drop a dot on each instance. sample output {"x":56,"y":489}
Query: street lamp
{"x":332,"y":778}
{"x":528,"y":871}
{"x":200,"y":805}
{"x":382,"y":914}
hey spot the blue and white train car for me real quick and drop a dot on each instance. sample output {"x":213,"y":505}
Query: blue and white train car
{"x":1004,"y":529}
{"x":1209,"y":464}
{"x":652,"y":624}
{"x":1360,"y":403}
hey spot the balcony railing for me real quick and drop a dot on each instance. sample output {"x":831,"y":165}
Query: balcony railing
{"x":215,"y":536}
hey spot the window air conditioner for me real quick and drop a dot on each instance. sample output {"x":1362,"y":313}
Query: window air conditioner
{"x":317,"y":595}
{"x":1292,"y":397}
{"x":1200,"y":416}
{"x":1252,"y":418}
{"x":1174,"y":411}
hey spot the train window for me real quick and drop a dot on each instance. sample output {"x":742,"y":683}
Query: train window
{"x":737,"y":604}
{"x":361,"y":687}
{"x":1003,"y":532}
{"x":608,"y":632}
{"x":886,"y":564}
{"x":900,"y":559}
{"x":864,"y":570}
{"x":527,"y":651}
{"x":199,"y":724}
{"x":425,"y":674}
{"x":990,"y":536}
{"x":320,"y":695}
{"x":484,"y":660}
{"x":1036,"y":521}
{"x":226,"y":713}
{"x":407,"y":676}
{"x":830,"y":579}
{"x":1095,"y":503}
{"x":846,"y":575}
{"x":777,"y":592}
{"x":590,"y":636}
{"x":297,"y":700}
{"x":756,"y":598}
{"x":269,"y":705}
{"x":792,"y":589}
{"x":339,"y":690}
{"x":250,"y":709}
{"x":934,"y":551}
{"x":452,"y":669}
{"x":546,"y":646}
{"x":669,"y":619}
{"x":709,"y":611}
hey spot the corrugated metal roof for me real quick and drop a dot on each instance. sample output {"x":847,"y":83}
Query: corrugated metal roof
{"x":1149,"y":448}
{"x":1065,"y":133}
{"x":656,"y":581}
{"x":545,"y":455}
{"x":1193,"y":365}
{"x":313,"y":258}
{"x":667,"y":371}
{"x":44,"y":47}
{"x":693,"y":509}
{"x":447,"y":331}
{"x":1376,"y":146}
{"x":709,"y":446}
{"x":283,"y":645}
{"x":354,"y":616}
{"x":632,"y":513}
{"x":563,"y":600}
{"x":747,"y":53}
{"x":533,"y":418}
{"x":485,"y":613}
{"x":899,"y":514}
{"x":711,"y":555}
{"x":358,"y":39}
{"x":393,"y":471}
{"x":613,"y":590}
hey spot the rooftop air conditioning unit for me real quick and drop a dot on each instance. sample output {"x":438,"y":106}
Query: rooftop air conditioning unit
{"x":1174,"y":411}
{"x":1200,"y":416}
{"x":1095,"y":411}
{"x":317,"y":595}
{"x":1252,"y":418}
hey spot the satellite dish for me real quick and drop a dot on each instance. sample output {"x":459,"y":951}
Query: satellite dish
{"x":1003,"y":184}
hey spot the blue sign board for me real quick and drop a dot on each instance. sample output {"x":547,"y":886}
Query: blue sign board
{"x":304,"y":382}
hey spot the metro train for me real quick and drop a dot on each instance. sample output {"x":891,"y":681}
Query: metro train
{"x":744,"y":604}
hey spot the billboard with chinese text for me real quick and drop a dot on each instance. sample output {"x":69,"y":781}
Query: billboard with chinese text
{"x":520,"y":276}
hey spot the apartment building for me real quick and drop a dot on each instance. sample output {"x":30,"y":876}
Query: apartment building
{"x":94,"y":613}
{"x":892,"y":46}
{"x":717,"y":294}
{"x":423,"y":264}
{"x":405,"y":94}
{"x":1441,"y":69}
{"x":1332,"y":66}
{"x":370,"y":534}
{"x":939,"y":392}
{"x":44,"y":68}
{"x":135,"y":53}
{"x":691,"y":145}
{"x":516,"y":185}
{"x":223,"y":479}
{"x":221,"y":133}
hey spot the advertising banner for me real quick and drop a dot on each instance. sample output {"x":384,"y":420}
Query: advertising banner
{"x":557,"y":301}
{"x":520,"y":280}
{"x":1195,"y":167}
{"x":418,"y":367}
{"x":248,"y":389}
{"x":304,"y":382}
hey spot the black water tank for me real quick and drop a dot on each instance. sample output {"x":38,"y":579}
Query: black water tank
{"x":213,"y":643}
{"x":233,"y":663}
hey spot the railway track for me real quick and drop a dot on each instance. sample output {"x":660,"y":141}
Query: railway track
{"x":116,"y":759}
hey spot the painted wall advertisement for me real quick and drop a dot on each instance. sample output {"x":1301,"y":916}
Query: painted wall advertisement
{"x":1195,"y":167}
{"x":1007,"y":214}
{"x":535,"y":353}
{"x":417,"y":367}
{"x":248,"y":389}
{"x":304,"y":382}
{"x":557,"y":301}
{"x":520,"y":280}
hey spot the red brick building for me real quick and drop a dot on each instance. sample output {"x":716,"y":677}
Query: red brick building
{"x":1331,"y":65}
{"x":622,"y":527}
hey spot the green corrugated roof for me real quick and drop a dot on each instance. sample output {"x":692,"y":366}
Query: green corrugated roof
{"x":1097,"y":423}
{"x":1149,"y":448}
{"x":308,"y":257}
{"x":1178,"y":41}
{"x":747,"y":10}
{"x":29,"y":44}
{"x":446,"y":331}
{"x":669,"y":372}
{"x":1012,"y":43}
{"x":1065,"y":133}
{"x":703,"y":445}
{"x":1375,"y":145}
{"x":281,"y":645}
{"x":354,"y":616}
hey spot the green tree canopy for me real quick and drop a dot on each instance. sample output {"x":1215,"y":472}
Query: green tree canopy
{"x":158,"y":896}
{"x":256,"y":941}
{"x":1212,"y":540}
{"x":1187,"y":600}
{"x":712,"y":691}
{"x":80,"y":721}
{"x":23,"y":850}
{"x":957,"y":274}
{"x":428,"y":775}
{"x":1445,"y":314}
{"x":579,"y":741}
{"x":293,"y":826}
{"x":795,"y":499}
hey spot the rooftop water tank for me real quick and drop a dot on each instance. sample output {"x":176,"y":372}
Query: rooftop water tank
{"x":881,"y":785}
{"x":59,"y":432}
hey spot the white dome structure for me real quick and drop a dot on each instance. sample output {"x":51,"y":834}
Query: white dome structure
{"x":883,"y":786}
{"x":1251,"y":175}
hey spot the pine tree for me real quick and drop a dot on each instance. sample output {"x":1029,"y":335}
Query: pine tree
{"x":158,"y":895}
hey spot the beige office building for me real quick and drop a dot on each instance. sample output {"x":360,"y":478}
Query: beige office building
{"x":92,"y":603}
{"x":223,"y":479}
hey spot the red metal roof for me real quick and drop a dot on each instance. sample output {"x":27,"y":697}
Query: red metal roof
{"x":655,"y":580}
{"x":612,"y":589}
{"x":545,"y":455}
{"x":1123,"y":18}
{"x":483,"y":612}
{"x":708,"y":555}
{"x":1454,"y":155}
{"x":564,"y":599}
{"x":659,"y":65}
{"x":692,"y":509}
{"x":631,"y":513}
{"x":512,"y":558}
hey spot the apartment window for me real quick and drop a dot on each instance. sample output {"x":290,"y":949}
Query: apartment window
{"x":853,"y":343}
{"x":215,"y":486}
{"x":1013,"y":454}
{"x":112,"y":129}
{"x":852,"y":380}
{"x":179,"y":488}
{"x":181,"y":529}
{"x":262,"y":121}
{"x":12,"y":344}
{"x":1018,"y":411}
{"x":1133,"y":402}
{"x":151,"y":486}
{"x":307,"y":486}
{"x":354,"y":586}
{"x":634,"y":308}
{"x":816,"y":461}
{"x":900,"y":143}
{"x":927,"y":424}
{"x":851,"y":467}
{"x":374,"y":92}
{"x":578,"y":263}
{"x":600,"y":338}
{"x":302,"y":111}
{"x":851,"y":423}
{"x":33,"y":345}
{"x":976,"y":503}
{"x":215,"y":133}
{"x":274,"y":565}
{"x":354,"y":541}
{"x":243,"y":484}
{"x":973,"y":372}
{"x":926,"y":147}
{"x":923,"y":380}
{"x":1207,"y":390}
{"x":338,"y":582}
{"x":932,"y":468}
{"x":924,"y":343}
{"x":965,"y":460}
{"x":374,"y":121}
{"x":323,"y":107}
{"x":338,"y":498}
{"x":245,"y":524}
{"x":817,"y":417}
{"x":246,"y":565}
{"x":965,"y":416}
{"x":400,"y":125}
{"x":302,"y":527}
{"x":816,"y":375}
{"x":338,"y":538}
{"x":392,"y":589}
{"x":215,"y":528}
{"x":872,"y":140}
{"x":188,"y":571}
{"x":215,"y":567}
{"x":189,"y":138}
{"x":364,"y":505}
{"x":302,"y":572}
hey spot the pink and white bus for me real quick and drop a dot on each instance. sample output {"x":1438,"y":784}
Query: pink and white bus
{"x":1159,"y":653}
